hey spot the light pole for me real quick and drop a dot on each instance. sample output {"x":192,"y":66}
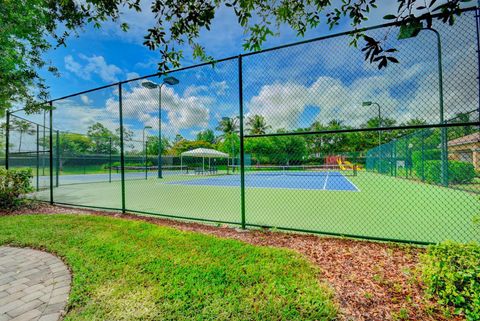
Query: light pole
{"x":144,"y":145}
{"x":370,"y":103}
{"x":411,"y":32}
{"x":172,"y":81}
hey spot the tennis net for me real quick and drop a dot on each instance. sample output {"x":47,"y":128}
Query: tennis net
{"x":174,"y":169}
{"x":296,"y":170}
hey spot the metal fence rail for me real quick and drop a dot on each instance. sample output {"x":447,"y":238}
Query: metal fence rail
{"x":303,"y":137}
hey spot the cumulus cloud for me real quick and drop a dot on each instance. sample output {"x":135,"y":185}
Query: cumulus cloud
{"x":132,"y":75}
{"x":182,"y":112}
{"x":72,"y":115}
{"x":403,"y":93}
{"x":218,"y":88}
{"x":93,"y":65}
{"x":85,"y":99}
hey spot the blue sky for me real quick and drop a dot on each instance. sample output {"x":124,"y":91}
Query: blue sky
{"x":118,"y":55}
{"x":291,"y":88}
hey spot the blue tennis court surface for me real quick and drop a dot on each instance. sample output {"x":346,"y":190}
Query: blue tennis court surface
{"x":331,"y":181}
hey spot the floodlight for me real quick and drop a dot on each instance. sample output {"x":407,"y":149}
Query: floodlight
{"x":149,"y":84}
{"x":172,"y":81}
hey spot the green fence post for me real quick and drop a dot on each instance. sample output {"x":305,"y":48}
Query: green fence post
{"x":423,"y":155}
{"x":110,"y":162}
{"x":57,"y":163}
{"x":146,"y":161}
{"x":406,"y":159}
{"x":122,"y":156}
{"x":242,"y":152}
{"x":395,"y":158}
{"x":38,"y":161}
{"x":7,"y":141}
{"x":391,"y":158}
{"x":51,"y":152}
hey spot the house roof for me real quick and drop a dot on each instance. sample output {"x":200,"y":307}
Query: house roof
{"x":468,"y":139}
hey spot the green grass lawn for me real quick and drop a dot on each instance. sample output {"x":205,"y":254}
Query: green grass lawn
{"x":384,"y":206}
{"x":125,"y":270}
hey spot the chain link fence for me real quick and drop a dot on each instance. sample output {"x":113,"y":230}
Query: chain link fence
{"x":305,"y":137}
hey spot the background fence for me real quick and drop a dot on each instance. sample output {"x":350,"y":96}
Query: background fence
{"x":305,"y":137}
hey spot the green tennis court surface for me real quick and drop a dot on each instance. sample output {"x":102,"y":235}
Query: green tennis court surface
{"x":384,"y":207}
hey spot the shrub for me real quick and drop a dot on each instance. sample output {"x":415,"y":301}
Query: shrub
{"x":428,"y":154}
{"x":451,"y":272}
{"x":14,"y":184}
{"x":458,"y":172}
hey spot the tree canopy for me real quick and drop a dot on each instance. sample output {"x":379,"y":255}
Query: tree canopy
{"x":29,"y":28}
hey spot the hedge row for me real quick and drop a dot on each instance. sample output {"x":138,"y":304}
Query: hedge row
{"x":458,"y":172}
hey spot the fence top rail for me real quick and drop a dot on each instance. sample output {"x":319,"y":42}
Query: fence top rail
{"x":213,"y":62}
{"x":373,"y":129}
{"x":27,"y":120}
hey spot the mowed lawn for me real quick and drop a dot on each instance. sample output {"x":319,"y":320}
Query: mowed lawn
{"x":125,"y":270}
{"x":383,"y":207}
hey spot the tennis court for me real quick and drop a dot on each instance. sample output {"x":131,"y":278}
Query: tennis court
{"x":379,"y":205}
{"x":284,"y":177}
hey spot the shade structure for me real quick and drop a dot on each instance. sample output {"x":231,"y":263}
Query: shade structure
{"x":203,"y":153}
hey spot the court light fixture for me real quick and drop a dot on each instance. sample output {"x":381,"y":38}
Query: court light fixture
{"x":149,"y":84}
{"x":172,"y":81}
{"x":412,"y":30}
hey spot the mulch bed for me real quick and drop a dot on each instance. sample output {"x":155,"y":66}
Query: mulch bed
{"x":371,"y":280}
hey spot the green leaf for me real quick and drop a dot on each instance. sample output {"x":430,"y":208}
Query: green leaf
{"x":390,"y":17}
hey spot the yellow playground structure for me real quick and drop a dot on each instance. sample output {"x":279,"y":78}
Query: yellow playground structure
{"x":346,"y":165}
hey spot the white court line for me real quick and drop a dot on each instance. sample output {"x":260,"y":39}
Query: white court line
{"x":325,"y":184}
{"x":352,"y":183}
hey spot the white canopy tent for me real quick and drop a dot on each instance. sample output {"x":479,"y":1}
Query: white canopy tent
{"x":203,"y":153}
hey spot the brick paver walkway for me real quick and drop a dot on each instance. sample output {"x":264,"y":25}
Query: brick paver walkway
{"x":34,"y":285}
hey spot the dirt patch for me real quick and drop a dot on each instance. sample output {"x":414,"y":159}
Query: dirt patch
{"x":371,"y":280}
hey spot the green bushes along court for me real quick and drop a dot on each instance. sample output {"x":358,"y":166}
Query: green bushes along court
{"x":458,"y":172}
{"x":451,"y":272}
{"x":13,"y":184}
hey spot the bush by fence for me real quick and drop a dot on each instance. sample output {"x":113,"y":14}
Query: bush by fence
{"x":458,"y":172}
{"x":451,"y":272}
{"x":13,"y":184}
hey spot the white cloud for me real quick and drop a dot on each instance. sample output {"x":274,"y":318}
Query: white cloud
{"x":183,"y":112}
{"x":132,"y":75}
{"x":218,"y":88}
{"x":73,"y":66}
{"x":150,"y":64}
{"x":93,"y":65}
{"x":281,"y":104}
{"x":73,"y":116}
{"x":85,"y":99}
{"x":284,"y":103}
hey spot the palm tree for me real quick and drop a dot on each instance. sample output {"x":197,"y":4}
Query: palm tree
{"x":23,"y":127}
{"x":257,"y":125}
{"x":228,"y":126}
